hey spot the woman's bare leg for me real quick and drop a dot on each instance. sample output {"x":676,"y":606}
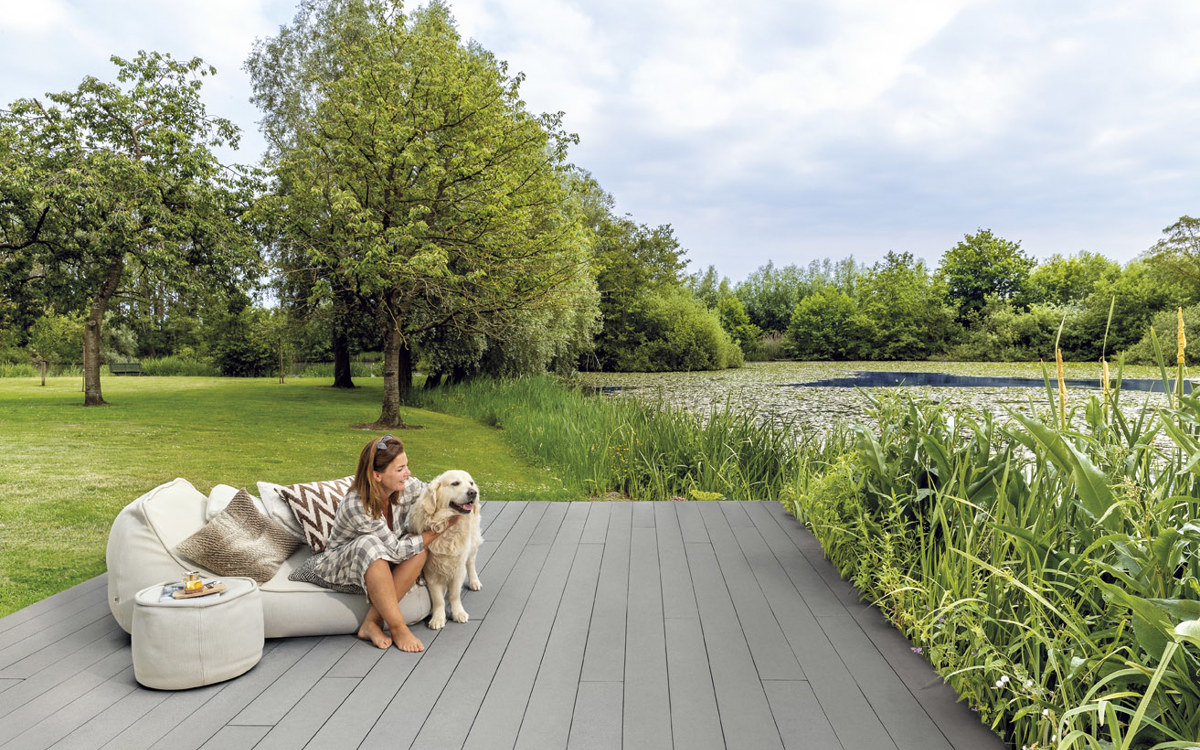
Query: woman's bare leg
{"x":370,"y":629}
{"x":385,"y":586}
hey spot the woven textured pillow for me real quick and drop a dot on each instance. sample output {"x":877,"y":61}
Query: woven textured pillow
{"x":240,"y":541}
{"x":314,"y":504}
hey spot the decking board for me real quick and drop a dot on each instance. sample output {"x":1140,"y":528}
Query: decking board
{"x":600,"y":625}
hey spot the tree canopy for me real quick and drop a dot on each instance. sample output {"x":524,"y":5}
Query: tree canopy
{"x":113,"y":178}
{"x":982,"y":264}
{"x":446,"y":197}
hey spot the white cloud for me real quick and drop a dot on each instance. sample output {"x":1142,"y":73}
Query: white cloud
{"x":25,"y":17}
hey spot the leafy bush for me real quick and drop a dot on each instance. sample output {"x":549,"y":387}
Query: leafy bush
{"x":676,"y":332}
{"x":1166,"y":326}
{"x":827,"y":325}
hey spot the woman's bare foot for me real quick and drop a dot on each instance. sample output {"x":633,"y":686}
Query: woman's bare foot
{"x":370,"y":631}
{"x":406,"y":641}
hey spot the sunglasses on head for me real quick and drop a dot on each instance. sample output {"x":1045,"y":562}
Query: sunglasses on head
{"x":382,"y":444}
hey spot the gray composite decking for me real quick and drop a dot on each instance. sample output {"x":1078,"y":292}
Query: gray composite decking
{"x":600,"y":625}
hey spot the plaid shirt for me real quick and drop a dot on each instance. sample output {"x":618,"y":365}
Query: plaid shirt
{"x":357,"y":539}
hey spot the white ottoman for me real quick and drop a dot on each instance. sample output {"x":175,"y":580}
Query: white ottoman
{"x":186,"y":643}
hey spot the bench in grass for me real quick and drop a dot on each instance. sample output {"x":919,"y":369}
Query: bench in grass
{"x":125,"y":368}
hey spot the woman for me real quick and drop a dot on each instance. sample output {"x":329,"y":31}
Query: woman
{"x":370,"y":546}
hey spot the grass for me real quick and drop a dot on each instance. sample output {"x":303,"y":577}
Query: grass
{"x":67,"y":470}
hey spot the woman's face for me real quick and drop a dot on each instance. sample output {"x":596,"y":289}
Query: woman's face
{"x":392,"y":478}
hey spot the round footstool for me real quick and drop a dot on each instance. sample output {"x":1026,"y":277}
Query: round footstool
{"x":186,"y":643}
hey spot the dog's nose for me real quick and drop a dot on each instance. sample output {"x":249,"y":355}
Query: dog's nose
{"x":472,"y":493}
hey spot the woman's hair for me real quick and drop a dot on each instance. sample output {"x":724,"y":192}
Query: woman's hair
{"x":376,"y":456}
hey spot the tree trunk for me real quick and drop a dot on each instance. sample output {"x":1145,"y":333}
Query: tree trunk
{"x":43,"y":373}
{"x":341,"y":342}
{"x":341,"y":358}
{"x":91,"y":334}
{"x":397,"y":364}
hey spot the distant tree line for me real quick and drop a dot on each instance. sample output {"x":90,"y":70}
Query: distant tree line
{"x":986,"y":300}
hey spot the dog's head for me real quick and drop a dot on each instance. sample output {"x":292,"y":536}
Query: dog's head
{"x":454,"y":490}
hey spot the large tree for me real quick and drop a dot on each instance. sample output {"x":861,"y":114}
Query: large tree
{"x":114,"y":179}
{"x":445,"y":195}
{"x":1175,"y":259}
{"x":983,"y":264}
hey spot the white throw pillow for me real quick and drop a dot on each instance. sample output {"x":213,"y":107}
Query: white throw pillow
{"x":278,"y":508}
{"x":219,"y":497}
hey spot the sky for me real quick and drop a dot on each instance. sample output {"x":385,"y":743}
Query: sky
{"x":781,"y":131}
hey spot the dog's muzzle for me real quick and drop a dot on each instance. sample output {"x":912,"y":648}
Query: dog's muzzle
{"x":469,"y":505}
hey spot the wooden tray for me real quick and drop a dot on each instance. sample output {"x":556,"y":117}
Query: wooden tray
{"x":214,"y":587}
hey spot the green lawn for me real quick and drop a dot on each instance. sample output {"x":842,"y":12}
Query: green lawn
{"x":66,"y":470}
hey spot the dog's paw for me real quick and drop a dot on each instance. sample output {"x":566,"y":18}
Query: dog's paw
{"x":436,"y":621}
{"x":474,"y":584}
{"x":459,"y":615}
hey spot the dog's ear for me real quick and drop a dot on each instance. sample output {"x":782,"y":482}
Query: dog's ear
{"x":429,"y":497}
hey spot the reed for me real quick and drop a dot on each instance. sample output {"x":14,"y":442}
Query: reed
{"x":1048,"y":573}
{"x":644,"y":451}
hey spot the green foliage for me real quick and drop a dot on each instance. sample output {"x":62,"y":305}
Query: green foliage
{"x":113,"y":180}
{"x":647,"y":452}
{"x":421,"y":180}
{"x":1006,"y":334}
{"x":247,"y":345}
{"x":827,"y":325}
{"x":1052,"y":576}
{"x":670,"y":330}
{"x":905,"y":310}
{"x":982,"y":264}
{"x":1134,"y":296}
{"x":177,"y":366}
{"x":1069,"y":280}
{"x":1166,"y":328}
{"x":770,"y":295}
{"x":1175,"y":259}
{"x":736,"y":323}
{"x":55,"y":338}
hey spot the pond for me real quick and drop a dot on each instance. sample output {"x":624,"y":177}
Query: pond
{"x":789,"y":393}
{"x":877,"y":379}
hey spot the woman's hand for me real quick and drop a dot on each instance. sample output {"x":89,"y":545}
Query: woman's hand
{"x":429,"y":536}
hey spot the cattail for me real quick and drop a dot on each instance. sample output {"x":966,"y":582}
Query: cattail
{"x":1062,"y":389}
{"x":1182,"y":340}
{"x":1104,"y":367}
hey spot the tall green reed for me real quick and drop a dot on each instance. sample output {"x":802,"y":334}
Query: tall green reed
{"x":1044,"y":565}
{"x":644,"y":451}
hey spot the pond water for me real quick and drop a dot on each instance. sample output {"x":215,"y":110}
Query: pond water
{"x":877,"y":379}
{"x":812,"y":396}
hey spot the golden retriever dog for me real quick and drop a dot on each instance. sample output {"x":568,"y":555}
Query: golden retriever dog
{"x":451,"y":555}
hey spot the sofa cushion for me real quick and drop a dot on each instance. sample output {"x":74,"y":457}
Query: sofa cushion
{"x":240,"y":541}
{"x":219,"y":497}
{"x":314,"y":505}
{"x":279,"y":509}
{"x":141,"y":544}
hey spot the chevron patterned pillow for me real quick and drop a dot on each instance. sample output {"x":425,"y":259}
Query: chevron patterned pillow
{"x":314,"y":504}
